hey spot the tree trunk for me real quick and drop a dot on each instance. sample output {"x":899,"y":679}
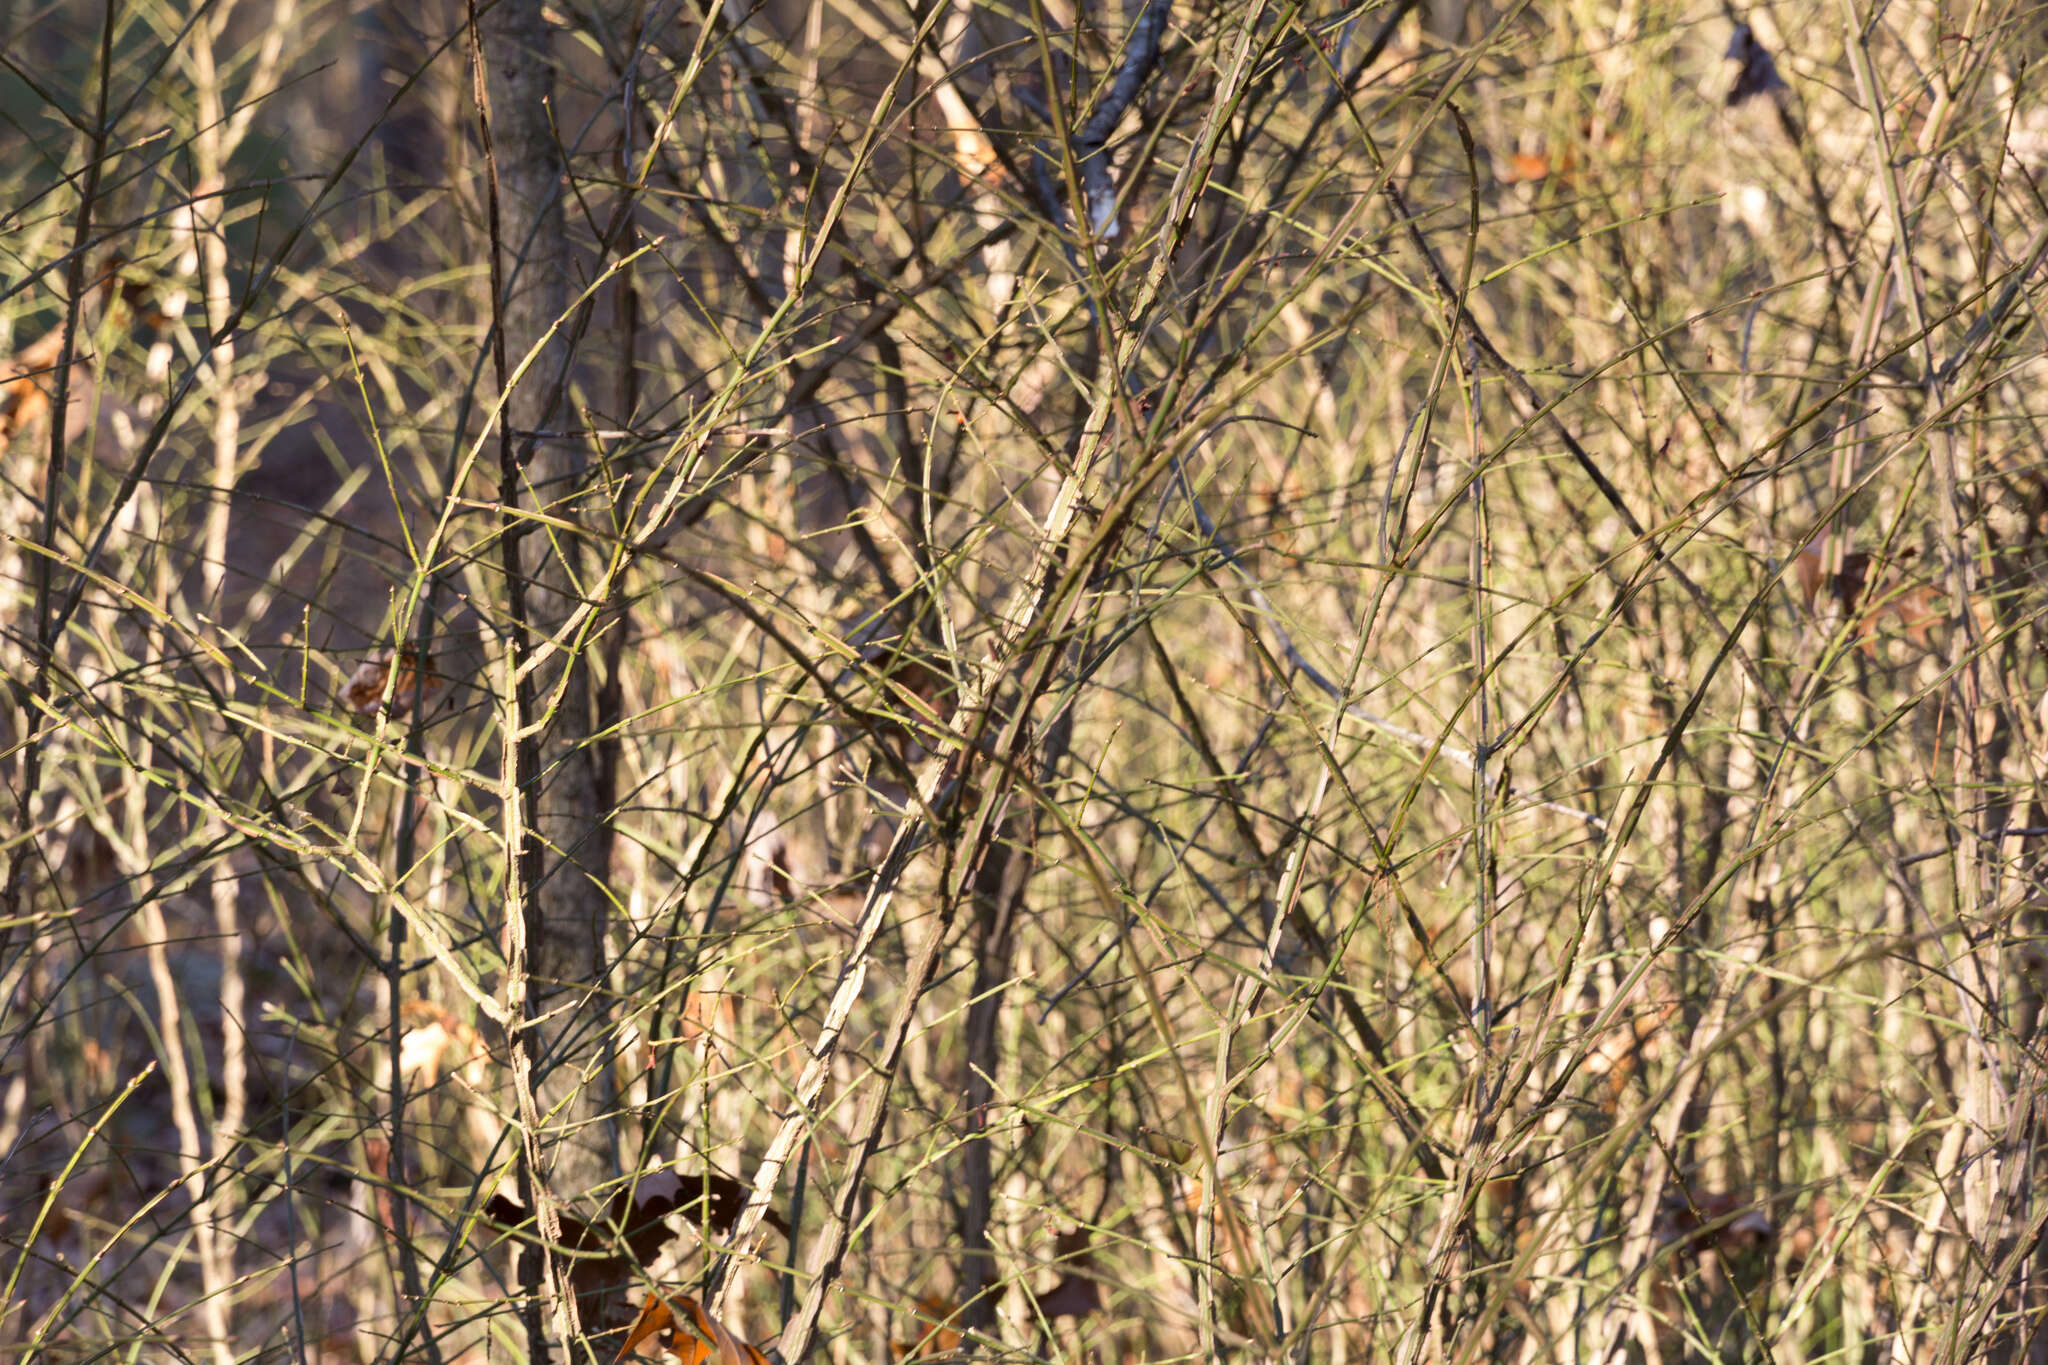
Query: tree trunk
{"x":572,"y":813}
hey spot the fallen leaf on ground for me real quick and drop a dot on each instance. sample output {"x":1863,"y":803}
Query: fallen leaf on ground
{"x":700,"y":1339}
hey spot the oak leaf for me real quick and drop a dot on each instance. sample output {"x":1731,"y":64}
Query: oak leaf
{"x":693,"y":1335}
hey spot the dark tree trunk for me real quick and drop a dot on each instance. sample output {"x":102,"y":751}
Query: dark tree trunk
{"x":571,"y":811}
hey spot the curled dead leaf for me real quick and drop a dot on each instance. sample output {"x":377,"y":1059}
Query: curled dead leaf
{"x":690,"y":1333}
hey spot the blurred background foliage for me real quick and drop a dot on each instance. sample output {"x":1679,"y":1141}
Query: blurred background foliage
{"x":1420,"y":738}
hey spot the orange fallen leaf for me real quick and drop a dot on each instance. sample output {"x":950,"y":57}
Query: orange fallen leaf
{"x":655,"y":1318}
{"x":700,"y":1340}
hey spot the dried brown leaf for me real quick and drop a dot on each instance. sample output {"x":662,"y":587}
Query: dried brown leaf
{"x":655,"y":1318}
{"x":700,"y":1339}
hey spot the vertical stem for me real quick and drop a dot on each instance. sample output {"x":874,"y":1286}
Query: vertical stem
{"x":998,"y":890}
{"x":1482,"y":747}
{"x":570,"y":906}
{"x":414,"y":1319}
{"x":205,"y":221}
{"x":520,"y":759}
{"x":30,"y":698}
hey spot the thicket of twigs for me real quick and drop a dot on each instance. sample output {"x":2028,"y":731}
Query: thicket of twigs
{"x":856,"y":680}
